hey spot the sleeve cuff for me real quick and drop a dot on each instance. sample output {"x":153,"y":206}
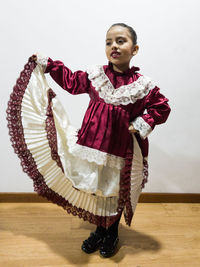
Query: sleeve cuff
{"x":143,"y":128}
{"x":42,"y":61}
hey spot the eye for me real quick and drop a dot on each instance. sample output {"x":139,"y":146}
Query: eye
{"x":121,"y":41}
{"x":108,"y":43}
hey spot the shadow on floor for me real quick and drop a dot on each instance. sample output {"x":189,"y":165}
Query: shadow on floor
{"x":63,"y":234}
{"x":131,"y":242}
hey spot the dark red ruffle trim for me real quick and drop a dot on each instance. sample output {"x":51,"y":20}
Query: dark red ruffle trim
{"x":125,"y":186}
{"x":51,"y":130}
{"x":145,"y":173}
{"x":27,"y":161}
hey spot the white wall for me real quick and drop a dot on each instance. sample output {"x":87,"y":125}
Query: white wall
{"x":74,"y":32}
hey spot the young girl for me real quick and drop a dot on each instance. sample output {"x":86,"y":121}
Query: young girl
{"x":98,"y":171}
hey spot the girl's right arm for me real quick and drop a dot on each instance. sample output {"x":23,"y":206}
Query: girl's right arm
{"x":73,"y":82}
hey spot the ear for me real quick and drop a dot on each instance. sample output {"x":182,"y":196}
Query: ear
{"x":135,"y":50}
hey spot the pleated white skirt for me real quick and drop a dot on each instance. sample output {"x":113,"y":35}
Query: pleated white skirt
{"x":44,"y":133}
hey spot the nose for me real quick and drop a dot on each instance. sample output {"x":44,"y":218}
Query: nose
{"x":114,"y":46}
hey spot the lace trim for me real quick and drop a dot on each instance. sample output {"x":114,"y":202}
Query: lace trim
{"x":51,"y":130}
{"x":42,"y":61}
{"x":140,"y":125}
{"x":145,"y":172}
{"x":123,"y":95}
{"x":125,"y":188}
{"x":93,"y":155}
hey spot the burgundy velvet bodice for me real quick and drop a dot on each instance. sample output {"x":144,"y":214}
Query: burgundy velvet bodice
{"x":105,"y":126}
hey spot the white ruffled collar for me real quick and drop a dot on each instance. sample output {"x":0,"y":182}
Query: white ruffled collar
{"x":123,"y":95}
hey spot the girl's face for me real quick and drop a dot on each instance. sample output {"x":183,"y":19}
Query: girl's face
{"x":120,"y":48}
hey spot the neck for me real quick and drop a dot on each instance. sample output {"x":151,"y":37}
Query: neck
{"x":120,"y":68}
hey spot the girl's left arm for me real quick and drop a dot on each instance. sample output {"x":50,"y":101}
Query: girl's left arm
{"x":157,"y":112}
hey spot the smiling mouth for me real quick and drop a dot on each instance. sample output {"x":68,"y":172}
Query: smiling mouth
{"x":115,"y":54}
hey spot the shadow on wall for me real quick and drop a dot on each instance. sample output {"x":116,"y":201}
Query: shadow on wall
{"x":172,"y":173}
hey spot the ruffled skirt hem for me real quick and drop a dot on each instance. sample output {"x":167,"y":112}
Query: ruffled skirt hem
{"x":41,"y":133}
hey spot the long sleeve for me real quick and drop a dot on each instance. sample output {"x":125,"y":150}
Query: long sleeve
{"x":75,"y":83}
{"x":157,"y":112}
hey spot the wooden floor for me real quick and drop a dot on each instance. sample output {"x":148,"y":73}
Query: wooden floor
{"x":42,"y":234}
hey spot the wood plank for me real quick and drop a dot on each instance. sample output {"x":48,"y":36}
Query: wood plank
{"x":42,"y":234}
{"x":145,"y":197}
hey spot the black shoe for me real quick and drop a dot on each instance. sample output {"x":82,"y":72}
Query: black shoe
{"x":109,"y":245}
{"x":93,"y":242}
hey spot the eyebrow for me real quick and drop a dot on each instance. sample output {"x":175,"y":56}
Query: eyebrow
{"x":118,"y":37}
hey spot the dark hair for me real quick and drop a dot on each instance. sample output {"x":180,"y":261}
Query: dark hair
{"x":131,"y":30}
